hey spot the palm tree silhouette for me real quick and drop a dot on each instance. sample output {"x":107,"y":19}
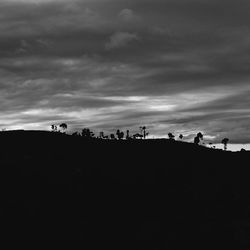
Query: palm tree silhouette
{"x":143,"y":131}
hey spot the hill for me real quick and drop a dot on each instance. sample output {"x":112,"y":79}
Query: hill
{"x":140,"y":194}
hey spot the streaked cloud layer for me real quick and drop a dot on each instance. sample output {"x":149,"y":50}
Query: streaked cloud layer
{"x":174,"y":65}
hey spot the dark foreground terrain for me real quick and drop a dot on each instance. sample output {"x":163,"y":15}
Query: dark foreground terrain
{"x":59,"y":190}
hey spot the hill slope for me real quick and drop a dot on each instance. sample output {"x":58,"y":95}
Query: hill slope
{"x":152,"y":194}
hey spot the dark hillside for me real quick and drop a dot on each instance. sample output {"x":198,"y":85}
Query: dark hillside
{"x":139,"y":194}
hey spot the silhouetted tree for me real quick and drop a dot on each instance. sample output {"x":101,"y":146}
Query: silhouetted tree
{"x":196,"y":140}
{"x":63,"y":126}
{"x":127,"y":134}
{"x":119,"y":134}
{"x":54,"y":128}
{"x":112,"y":136}
{"x":171,"y":136}
{"x":198,"y":137}
{"x":144,"y":133}
{"x":225,"y":142}
{"x":181,"y":136}
{"x":87,"y":133}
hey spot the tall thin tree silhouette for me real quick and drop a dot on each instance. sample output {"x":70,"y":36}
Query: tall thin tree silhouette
{"x":143,"y":131}
{"x":225,"y":142}
{"x":127,"y":134}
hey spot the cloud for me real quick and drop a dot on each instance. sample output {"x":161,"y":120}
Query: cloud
{"x":120,"y":39}
{"x":128,"y":15}
{"x":176,"y":66}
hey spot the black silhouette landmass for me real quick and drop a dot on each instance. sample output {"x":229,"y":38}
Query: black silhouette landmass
{"x":60,"y":190}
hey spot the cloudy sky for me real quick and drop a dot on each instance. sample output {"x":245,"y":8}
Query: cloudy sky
{"x":179,"y":66}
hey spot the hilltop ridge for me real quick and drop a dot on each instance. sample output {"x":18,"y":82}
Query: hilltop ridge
{"x":141,"y":194}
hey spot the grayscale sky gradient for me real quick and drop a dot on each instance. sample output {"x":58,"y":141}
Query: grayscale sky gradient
{"x":179,"y":66}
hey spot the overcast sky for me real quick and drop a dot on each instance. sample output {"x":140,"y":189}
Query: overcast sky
{"x":179,"y":66}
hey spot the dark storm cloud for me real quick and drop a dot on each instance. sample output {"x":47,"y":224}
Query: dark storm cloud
{"x":175,"y":65}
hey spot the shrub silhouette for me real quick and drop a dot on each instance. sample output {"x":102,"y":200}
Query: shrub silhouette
{"x":87,"y":133}
{"x":54,"y":128}
{"x":171,"y":136}
{"x":63,"y":126}
{"x":119,"y":134}
{"x":137,"y":135}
